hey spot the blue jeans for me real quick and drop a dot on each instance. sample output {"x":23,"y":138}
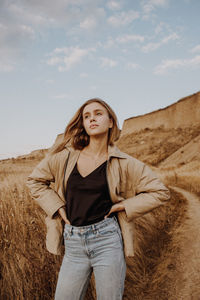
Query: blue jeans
{"x":98,"y":248}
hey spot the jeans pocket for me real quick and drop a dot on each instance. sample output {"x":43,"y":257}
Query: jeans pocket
{"x":66,"y":234}
{"x":120,"y":237}
{"x":107,"y":231}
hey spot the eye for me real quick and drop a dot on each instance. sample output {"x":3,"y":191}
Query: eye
{"x":85,"y":117}
{"x":99,"y":113}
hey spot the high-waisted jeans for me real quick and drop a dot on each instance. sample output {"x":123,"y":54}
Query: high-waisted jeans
{"x":98,"y":248}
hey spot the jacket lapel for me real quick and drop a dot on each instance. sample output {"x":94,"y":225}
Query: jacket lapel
{"x":113,"y":177}
{"x":73,"y":157}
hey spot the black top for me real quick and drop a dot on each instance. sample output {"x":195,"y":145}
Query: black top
{"x":87,"y":198}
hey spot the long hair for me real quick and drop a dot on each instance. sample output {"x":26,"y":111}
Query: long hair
{"x":75,"y":133}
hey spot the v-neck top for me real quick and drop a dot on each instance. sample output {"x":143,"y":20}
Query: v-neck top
{"x":87,"y":198}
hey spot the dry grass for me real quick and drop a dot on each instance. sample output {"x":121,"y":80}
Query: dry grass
{"x":28,"y":271}
{"x":154,"y":145}
{"x":186,"y":176}
{"x":151,"y":272}
{"x":187,"y":181}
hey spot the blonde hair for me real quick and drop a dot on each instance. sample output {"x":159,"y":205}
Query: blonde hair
{"x":75,"y":133}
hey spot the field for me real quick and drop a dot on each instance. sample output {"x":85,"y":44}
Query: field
{"x":160,"y":269}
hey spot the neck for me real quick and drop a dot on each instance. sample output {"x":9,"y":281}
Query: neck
{"x":97,"y":146}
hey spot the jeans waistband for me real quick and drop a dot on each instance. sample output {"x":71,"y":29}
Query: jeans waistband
{"x":93,"y":227}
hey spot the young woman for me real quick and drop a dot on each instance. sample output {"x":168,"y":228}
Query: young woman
{"x":97,"y":193}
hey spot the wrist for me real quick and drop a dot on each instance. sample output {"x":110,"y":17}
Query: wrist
{"x":122,"y":206}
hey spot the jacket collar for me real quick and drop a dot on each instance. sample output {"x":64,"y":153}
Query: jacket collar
{"x":113,"y":151}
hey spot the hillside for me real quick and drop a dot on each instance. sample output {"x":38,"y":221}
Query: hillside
{"x":185,"y":155}
{"x":183,"y":113}
{"x":155,"y":145}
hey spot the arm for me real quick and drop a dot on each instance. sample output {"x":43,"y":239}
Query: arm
{"x":150,"y":191}
{"x":39,"y":184}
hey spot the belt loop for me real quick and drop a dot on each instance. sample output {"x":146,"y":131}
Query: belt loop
{"x":94,"y":228}
{"x":71,"y":231}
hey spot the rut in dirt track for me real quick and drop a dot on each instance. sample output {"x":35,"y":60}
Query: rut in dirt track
{"x":187,"y":281}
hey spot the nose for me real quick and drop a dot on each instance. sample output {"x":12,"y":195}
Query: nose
{"x":92,"y":119}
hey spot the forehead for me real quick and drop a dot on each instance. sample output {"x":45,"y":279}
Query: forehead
{"x":93,"y":106}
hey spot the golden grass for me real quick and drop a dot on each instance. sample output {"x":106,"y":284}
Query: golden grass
{"x":28,"y":271}
{"x":25,"y":264}
{"x":185,"y":176}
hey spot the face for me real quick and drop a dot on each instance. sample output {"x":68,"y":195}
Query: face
{"x":96,"y":119}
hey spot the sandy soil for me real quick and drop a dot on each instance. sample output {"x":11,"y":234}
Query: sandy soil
{"x":185,"y":154}
{"x":187,"y":281}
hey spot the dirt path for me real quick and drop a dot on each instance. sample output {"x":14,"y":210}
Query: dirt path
{"x":187,"y":281}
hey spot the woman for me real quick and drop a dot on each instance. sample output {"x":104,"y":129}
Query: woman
{"x":98,"y":192}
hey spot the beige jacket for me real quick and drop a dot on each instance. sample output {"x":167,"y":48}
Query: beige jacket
{"x":129,"y":180}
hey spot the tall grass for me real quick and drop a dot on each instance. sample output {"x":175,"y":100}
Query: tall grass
{"x":28,"y":271}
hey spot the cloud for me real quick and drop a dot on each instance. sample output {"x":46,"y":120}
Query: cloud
{"x":92,"y":18}
{"x":54,"y":61}
{"x":161,"y":27}
{"x":108,"y":44}
{"x":150,"y":5}
{"x":122,"y":39}
{"x":88,"y":23}
{"x":11,"y":40}
{"x":168,"y":64}
{"x":26,"y":14}
{"x":123,"y":18}
{"x":153,"y":46}
{"x":67,"y":57}
{"x":130,"y":38}
{"x":22,"y":22}
{"x":107,"y":62}
{"x":114,"y":5}
{"x":59,"y":13}
{"x":195,"y":49}
{"x":16,"y":34}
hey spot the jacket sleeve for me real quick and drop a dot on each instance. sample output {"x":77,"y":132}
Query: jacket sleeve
{"x":150,"y":191}
{"x":39,"y":185}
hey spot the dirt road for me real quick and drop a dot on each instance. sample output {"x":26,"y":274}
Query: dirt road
{"x":187,"y":281}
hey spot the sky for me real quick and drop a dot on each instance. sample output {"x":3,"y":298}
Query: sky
{"x":138,"y":56}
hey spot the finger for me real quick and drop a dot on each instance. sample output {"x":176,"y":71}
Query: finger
{"x":105,"y":217}
{"x":108,"y":214}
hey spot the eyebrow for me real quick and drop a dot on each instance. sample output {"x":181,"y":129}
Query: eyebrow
{"x":87,"y":112}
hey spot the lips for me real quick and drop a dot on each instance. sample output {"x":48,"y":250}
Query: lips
{"x":93,"y":126}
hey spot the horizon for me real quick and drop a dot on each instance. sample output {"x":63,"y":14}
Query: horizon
{"x":139,"y":56}
{"x":157,"y":110}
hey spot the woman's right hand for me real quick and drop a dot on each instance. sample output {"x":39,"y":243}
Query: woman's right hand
{"x":63,"y":215}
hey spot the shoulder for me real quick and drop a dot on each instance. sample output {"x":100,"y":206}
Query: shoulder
{"x":127,"y":159}
{"x":135,"y":168}
{"x":54,"y":159}
{"x":128,"y":165}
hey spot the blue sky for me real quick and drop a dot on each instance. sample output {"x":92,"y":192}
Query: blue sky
{"x":138,"y":56}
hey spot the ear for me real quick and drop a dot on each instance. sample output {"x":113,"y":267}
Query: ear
{"x":111,"y":123}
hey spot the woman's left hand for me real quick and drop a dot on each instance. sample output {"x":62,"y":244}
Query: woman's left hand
{"x":116,"y":208}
